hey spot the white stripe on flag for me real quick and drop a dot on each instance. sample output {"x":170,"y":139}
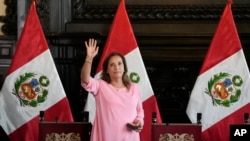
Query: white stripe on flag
{"x":56,"y":93}
{"x":199,"y":97}
{"x":135,"y":64}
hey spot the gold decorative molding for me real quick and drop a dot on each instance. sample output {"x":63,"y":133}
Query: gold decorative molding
{"x":63,"y":137}
{"x":176,"y":137}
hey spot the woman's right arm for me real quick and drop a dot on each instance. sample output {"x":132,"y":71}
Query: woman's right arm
{"x":92,"y":51}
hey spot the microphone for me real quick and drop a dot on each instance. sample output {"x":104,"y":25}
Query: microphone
{"x":246,"y":117}
{"x":198,"y":118}
{"x":41,"y":116}
{"x":154,"y":119}
{"x":86,"y":116}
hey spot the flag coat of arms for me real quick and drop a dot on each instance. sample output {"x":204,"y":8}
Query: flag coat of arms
{"x":122,"y":39}
{"x":32,"y":85}
{"x":221,"y":91}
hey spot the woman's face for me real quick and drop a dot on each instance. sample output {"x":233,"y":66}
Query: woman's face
{"x":115,"y":67}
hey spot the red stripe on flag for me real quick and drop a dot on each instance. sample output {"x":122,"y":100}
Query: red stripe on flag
{"x":60,"y":111}
{"x":22,"y":124}
{"x":221,"y":128}
{"x":121,"y":36}
{"x":149,"y":105}
{"x":30,"y":130}
{"x":30,"y":43}
{"x":27,"y":132}
{"x":225,"y":42}
{"x":224,"y":46}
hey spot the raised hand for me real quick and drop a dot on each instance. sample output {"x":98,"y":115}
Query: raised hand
{"x":92,"y":48}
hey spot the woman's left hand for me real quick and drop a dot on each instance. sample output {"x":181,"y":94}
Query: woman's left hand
{"x":138,"y":123}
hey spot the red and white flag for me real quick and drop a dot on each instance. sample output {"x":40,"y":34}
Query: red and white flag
{"x":122,"y":39}
{"x":32,"y":85}
{"x":221,"y":92}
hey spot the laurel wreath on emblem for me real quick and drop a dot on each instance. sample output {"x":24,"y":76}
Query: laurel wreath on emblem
{"x":134,"y":77}
{"x":236,"y":81}
{"x":43,"y":80}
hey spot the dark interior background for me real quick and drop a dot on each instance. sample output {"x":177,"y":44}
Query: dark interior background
{"x":173,"y":37}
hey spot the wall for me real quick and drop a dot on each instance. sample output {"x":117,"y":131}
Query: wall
{"x":2,"y":13}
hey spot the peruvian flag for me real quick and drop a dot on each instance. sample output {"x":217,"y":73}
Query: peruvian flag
{"x":221,"y":92}
{"x":121,"y":39}
{"x":32,"y":85}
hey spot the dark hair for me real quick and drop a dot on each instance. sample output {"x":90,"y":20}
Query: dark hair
{"x":105,"y":76}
